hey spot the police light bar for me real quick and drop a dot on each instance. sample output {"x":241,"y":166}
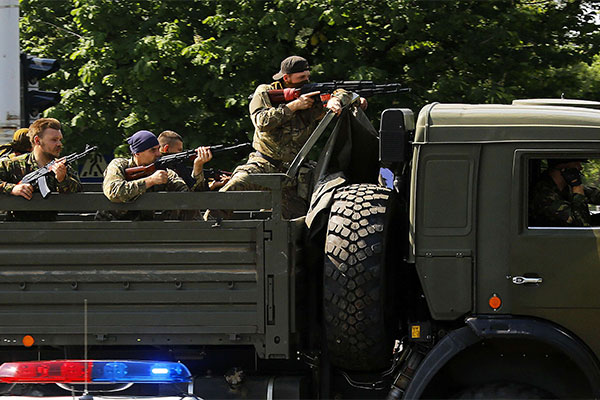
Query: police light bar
{"x":94,"y":371}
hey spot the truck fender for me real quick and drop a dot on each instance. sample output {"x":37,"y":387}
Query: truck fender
{"x":480,"y":328}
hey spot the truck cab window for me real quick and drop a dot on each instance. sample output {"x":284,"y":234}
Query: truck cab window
{"x":564,"y":192}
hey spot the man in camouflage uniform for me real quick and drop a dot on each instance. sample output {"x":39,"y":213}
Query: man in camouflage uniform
{"x":560,"y":198}
{"x":144,"y":148}
{"x":19,"y":145}
{"x":171,"y":143}
{"x":281,"y":131}
{"x":46,"y":137}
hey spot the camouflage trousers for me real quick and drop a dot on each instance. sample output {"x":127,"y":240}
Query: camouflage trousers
{"x":294,"y":191}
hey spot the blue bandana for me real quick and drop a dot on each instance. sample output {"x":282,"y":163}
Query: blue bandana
{"x":142,"y":140}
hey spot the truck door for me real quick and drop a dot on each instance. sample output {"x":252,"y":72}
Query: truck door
{"x":554,"y":270}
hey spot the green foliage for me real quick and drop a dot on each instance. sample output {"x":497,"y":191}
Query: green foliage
{"x":591,"y":172}
{"x":189,"y":66}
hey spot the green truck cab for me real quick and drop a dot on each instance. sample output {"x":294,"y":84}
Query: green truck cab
{"x":512,"y":302}
{"x":439,"y":287}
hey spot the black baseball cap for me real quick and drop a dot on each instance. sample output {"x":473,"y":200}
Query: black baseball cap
{"x":290,"y":65}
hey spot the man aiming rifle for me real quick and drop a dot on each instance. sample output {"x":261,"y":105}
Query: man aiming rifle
{"x":144,"y":148}
{"x":281,"y":130}
{"x":172,"y":143}
{"x":173,"y":160}
{"x":145,"y":152}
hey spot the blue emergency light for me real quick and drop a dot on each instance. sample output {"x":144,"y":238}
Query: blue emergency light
{"x":94,"y":371}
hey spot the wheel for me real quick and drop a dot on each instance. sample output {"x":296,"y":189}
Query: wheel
{"x":360,"y":317}
{"x":504,"y":391}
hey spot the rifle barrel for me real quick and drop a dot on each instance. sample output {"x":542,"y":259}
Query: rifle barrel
{"x":366,"y":88}
{"x":34,"y":176}
{"x":175,"y":158}
{"x":220,"y":149}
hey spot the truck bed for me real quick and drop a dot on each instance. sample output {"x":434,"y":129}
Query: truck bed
{"x":175,"y":283}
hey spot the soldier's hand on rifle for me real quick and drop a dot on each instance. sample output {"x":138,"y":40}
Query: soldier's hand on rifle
{"x":60,"y":169}
{"x":204,"y":155}
{"x":159,"y":177}
{"x":218,"y":184}
{"x":23,"y":190}
{"x":303,"y":102}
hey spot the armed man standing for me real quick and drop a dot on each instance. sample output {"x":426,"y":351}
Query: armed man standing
{"x":281,"y":131}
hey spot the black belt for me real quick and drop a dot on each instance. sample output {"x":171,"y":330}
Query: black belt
{"x":278,"y":164}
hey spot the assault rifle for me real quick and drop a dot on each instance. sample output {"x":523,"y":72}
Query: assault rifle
{"x":170,"y":160}
{"x":38,"y":177}
{"x":362,"y":88}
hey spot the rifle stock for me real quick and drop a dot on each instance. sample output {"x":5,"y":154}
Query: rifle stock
{"x":139,"y":172}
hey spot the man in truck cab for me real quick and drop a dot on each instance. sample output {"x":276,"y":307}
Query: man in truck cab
{"x":560,"y":198}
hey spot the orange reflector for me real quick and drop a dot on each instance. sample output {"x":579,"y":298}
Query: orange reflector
{"x":28,"y":340}
{"x":495,"y":302}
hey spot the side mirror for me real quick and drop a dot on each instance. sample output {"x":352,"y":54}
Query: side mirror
{"x":396,"y":123}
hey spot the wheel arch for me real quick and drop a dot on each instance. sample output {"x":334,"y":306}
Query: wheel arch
{"x":514,"y":334}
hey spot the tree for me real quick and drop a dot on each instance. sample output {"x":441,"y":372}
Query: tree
{"x":190,"y":65}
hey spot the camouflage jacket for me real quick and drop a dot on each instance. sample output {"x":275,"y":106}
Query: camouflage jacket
{"x":9,"y":156}
{"x":117,"y":189}
{"x":549,"y":206}
{"x":12,"y":170}
{"x":280,"y":133}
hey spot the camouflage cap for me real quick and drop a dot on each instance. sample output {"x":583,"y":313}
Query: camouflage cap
{"x":291,"y":65}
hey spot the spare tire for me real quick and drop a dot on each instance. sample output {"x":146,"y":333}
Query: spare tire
{"x":360,"y":315}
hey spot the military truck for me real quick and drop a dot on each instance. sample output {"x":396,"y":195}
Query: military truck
{"x":436,"y":287}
